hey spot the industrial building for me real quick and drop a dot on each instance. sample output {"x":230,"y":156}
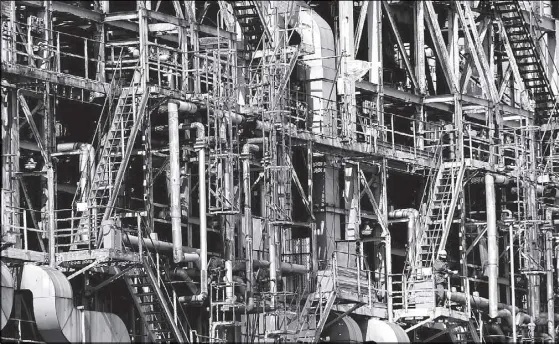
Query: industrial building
{"x":280,"y":171}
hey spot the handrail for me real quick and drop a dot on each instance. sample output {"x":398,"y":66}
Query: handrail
{"x":148,"y":259}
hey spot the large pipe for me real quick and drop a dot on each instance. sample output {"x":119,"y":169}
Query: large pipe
{"x":200,"y":145}
{"x":57,"y":318}
{"x":245,"y":154}
{"x":174,"y":171}
{"x":190,"y":254}
{"x":412,"y":215}
{"x":492,"y":244}
{"x":503,"y":310}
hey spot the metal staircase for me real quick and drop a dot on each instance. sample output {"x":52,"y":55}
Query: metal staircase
{"x":314,"y":316}
{"x":115,"y":151}
{"x":250,"y":17}
{"x":462,"y":332}
{"x":528,"y":58}
{"x":155,"y":299}
{"x":439,"y":214}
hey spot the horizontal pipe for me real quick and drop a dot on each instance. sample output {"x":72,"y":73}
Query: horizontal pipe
{"x":158,"y":245}
{"x":182,"y":107}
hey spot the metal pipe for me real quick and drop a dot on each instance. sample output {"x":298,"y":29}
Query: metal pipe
{"x":161,"y":246}
{"x":200,"y":145}
{"x":492,"y":244}
{"x":174,"y":169}
{"x":245,"y":154}
{"x":512,"y":281}
{"x":549,"y":287}
{"x":412,"y":215}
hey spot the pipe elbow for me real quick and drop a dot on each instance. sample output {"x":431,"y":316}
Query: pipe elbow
{"x":249,"y":147}
{"x":200,"y":130}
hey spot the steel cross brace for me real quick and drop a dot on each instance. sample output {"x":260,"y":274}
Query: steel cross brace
{"x":87,"y":267}
{"x":110,"y":280}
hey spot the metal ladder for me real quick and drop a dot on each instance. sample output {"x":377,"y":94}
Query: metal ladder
{"x":156,"y":301}
{"x":527,"y":58}
{"x":463,"y":332}
{"x":440,"y":212}
{"x":317,"y":308}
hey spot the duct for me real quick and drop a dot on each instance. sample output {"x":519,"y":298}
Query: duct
{"x":7,"y":287}
{"x":379,"y":331}
{"x":230,"y":116}
{"x":412,"y":215}
{"x":56,"y":317}
{"x":492,"y":244}
{"x":245,"y":154}
{"x":319,"y":68}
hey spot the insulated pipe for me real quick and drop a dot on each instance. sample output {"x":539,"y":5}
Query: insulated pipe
{"x":412,"y":215}
{"x":190,"y":254}
{"x":492,"y":244}
{"x":175,"y":173}
{"x":245,"y":154}
{"x":200,"y":142}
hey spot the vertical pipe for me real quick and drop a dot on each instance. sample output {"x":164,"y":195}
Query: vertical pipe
{"x":248,"y":223}
{"x":492,"y":244}
{"x":550,"y":294}
{"x":200,"y":139}
{"x":174,"y":192}
{"x":51,"y":216}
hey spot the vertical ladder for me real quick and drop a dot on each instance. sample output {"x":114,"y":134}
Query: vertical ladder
{"x":317,"y":308}
{"x":440,"y":213}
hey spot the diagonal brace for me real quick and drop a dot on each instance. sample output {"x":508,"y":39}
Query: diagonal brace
{"x":33,"y":126}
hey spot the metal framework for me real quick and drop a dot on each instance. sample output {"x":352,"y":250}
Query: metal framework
{"x":268,"y":171}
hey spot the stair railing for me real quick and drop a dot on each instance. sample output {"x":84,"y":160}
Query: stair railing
{"x":168,"y":291}
{"x":428,"y":191}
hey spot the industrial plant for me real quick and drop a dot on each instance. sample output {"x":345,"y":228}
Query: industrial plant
{"x":280,"y":171}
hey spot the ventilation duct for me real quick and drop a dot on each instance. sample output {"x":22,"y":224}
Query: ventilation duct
{"x":56,"y":317}
{"x":7,"y":294}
